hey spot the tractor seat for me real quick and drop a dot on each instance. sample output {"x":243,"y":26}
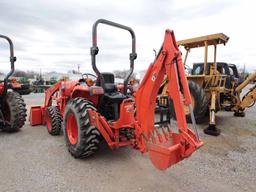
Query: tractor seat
{"x":115,"y":97}
{"x":110,"y":88}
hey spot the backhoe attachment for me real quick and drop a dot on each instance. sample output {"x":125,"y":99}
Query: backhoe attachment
{"x":166,"y":145}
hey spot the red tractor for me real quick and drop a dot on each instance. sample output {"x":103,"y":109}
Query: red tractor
{"x":12,"y":107}
{"x":94,"y":108}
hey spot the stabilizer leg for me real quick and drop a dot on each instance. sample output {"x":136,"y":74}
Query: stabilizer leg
{"x":212,"y":130}
{"x":239,"y":114}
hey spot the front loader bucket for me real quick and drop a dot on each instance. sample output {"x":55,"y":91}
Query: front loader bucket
{"x":168,"y":149}
{"x":36,"y":116}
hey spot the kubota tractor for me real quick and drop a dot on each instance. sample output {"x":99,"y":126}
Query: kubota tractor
{"x":12,"y":107}
{"x":93,"y":109}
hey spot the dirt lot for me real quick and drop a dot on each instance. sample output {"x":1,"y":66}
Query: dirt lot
{"x":32,"y":160}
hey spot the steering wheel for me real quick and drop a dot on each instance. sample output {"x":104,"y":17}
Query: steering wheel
{"x":86,"y":76}
{"x":88,"y":79}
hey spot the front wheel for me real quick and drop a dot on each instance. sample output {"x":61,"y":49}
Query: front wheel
{"x":53,"y":120}
{"x":81,"y":137}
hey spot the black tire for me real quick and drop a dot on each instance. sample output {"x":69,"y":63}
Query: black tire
{"x":88,"y":138}
{"x":53,"y":120}
{"x":200,"y":103}
{"x":14,"y":112}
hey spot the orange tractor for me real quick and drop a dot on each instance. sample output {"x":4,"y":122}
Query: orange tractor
{"x":12,"y":107}
{"x":93,"y":109}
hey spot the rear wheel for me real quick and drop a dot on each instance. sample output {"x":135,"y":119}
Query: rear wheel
{"x":81,"y":137}
{"x":53,"y":120}
{"x":199,"y":104}
{"x":14,"y":112}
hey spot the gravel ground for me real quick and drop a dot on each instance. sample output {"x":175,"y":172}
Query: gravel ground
{"x":32,"y":160}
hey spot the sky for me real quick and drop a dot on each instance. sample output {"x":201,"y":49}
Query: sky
{"x":56,"y":35}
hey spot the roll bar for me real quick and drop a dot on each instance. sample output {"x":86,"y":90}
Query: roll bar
{"x":95,"y":50}
{"x":12,"y":60}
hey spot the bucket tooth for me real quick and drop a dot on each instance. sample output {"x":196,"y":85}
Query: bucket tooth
{"x":169,"y":129}
{"x":165,"y":133}
{"x":152,"y":137}
{"x":159,"y":136}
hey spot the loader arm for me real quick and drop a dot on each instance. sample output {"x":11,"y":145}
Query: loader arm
{"x":50,"y":92}
{"x":168,"y":62}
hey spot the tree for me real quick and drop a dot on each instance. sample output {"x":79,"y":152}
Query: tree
{"x":28,"y":74}
{"x":122,"y":73}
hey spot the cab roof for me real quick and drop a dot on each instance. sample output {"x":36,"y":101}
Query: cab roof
{"x":214,"y":39}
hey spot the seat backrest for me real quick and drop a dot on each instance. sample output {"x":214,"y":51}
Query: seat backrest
{"x":108,"y":78}
{"x":109,"y":81}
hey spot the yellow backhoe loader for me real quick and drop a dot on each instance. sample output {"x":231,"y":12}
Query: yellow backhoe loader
{"x":213,"y":85}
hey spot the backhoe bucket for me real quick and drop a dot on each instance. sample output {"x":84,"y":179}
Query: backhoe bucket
{"x":36,"y":116}
{"x":166,"y":150}
{"x":163,"y":157}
